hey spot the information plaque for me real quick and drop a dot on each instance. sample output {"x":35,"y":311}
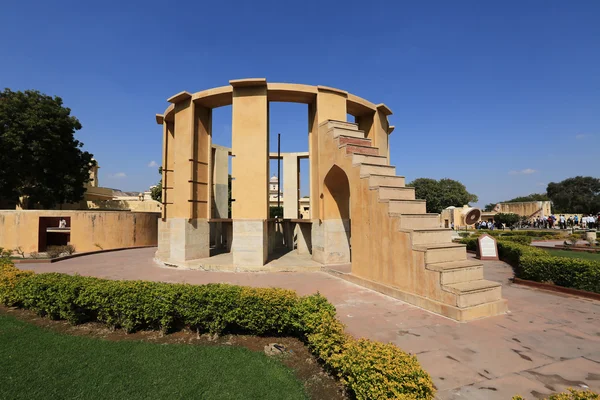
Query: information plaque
{"x":487,"y":247}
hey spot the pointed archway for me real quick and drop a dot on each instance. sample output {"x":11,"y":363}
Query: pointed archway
{"x":336,"y":217}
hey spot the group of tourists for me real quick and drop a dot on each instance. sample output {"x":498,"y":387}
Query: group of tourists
{"x":562,"y":222}
{"x":489,"y":225}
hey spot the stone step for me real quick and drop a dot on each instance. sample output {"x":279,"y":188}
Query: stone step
{"x":473,"y":293}
{"x":363,"y":150}
{"x":405,"y":206}
{"x":361,"y":158}
{"x":368,"y":169}
{"x":342,"y":139}
{"x":458,"y":271}
{"x":337,"y":131}
{"x":430,"y":235}
{"x":395,"y":193}
{"x":386,"y":180}
{"x":415,"y":221}
{"x":332,"y":123}
{"x":442,"y":252}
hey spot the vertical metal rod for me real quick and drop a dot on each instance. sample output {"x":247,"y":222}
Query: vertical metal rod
{"x":279,"y":173}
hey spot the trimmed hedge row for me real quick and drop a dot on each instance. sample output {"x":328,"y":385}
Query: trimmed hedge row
{"x":533,"y":234}
{"x":538,"y":265}
{"x":371,"y":370}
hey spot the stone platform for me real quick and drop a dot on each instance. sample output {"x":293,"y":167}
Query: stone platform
{"x":284,"y":261}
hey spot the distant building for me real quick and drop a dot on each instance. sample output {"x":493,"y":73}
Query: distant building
{"x":303,"y":203}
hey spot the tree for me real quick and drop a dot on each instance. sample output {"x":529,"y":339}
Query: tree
{"x":156,"y":191}
{"x":508,"y":219}
{"x":580,"y":195}
{"x":441,"y":194}
{"x":40,"y":159}
{"x":489,"y":207}
{"x":275,"y":212}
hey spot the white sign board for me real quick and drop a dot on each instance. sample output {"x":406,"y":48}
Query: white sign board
{"x":488,"y":250}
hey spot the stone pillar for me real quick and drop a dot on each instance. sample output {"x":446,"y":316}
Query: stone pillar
{"x":290,"y":185}
{"x":250,"y":171}
{"x":220,"y":192}
{"x":329,"y":105}
{"x":220,"y":182}
{"x":303,"y":238}
{"x":187,"y":181}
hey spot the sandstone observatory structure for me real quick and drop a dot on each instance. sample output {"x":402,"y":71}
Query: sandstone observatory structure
{"x":362,"y":214}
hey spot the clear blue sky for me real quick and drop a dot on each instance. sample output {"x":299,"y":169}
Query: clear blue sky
{"x":503,"y":96}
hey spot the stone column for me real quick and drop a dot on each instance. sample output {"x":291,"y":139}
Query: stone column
{"x":329,"y":105}
{"x":250,"y":171}
{"x":220,"y":181}
{"x":290,"y":185}
{"x":303,"y":238}
{"x":188,"y":188}
{"x":220,"y":192}
{"x":164,"y":236}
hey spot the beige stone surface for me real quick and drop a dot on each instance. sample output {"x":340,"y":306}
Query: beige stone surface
{"x":357,"y":202}
{"x":108,"y":229}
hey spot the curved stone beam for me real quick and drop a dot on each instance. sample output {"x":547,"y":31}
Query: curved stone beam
{"x":281,"y":92}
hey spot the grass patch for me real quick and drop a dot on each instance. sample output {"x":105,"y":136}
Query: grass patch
{"x":582,"y":255}
{"x":42,"y":364}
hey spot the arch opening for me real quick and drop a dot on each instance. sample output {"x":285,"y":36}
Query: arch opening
{"x":337,"y":217}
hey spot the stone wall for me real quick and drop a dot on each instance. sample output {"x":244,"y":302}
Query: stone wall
{"x":89,"y":230}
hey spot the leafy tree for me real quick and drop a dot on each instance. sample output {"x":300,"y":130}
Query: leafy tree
{"x":441,"y":194}
{"x":156,"y":191}
{"x":580,"y":195}
{"x":40,"y":159}
{"x":276,"y":212}
{"x":531,"y":197}
{"x":508,"y":219}
{"x":489,"y":207}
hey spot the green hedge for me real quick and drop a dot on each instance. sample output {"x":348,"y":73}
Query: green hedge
{"x":371,"y":370}
{"x":532,"y":234}
{"x":538,"y":265}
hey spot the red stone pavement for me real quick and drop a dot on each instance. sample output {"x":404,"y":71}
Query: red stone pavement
{"x":546,"y":343}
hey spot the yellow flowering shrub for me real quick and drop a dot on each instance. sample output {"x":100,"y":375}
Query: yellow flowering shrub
{"x":570,"y":394}
{"x":375,"y":370}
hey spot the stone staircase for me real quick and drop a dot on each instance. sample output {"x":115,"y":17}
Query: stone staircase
{"x":459,"y":279}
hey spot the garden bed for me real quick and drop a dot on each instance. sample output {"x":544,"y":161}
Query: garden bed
{"x":368,"y":369}
{"x":539,"y":265}
{"x":315,"y":382}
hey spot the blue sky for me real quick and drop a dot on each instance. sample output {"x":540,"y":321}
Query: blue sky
{"x":502,"y":96}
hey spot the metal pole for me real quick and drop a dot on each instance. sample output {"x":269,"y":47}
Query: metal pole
{"x":279,"y":172}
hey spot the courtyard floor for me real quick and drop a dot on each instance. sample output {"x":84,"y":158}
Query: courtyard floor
{"x":546,"y":343}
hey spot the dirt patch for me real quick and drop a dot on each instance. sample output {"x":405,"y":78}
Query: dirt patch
{"x":318,"y":383}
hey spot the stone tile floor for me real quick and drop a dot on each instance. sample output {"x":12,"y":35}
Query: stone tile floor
{"x":546,"y":343}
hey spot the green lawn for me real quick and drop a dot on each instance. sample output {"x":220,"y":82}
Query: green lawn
{"x":575,"y":254}
{"x":36,"y":363}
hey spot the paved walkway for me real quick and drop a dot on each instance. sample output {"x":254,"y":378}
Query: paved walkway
{"x":548,"y":341}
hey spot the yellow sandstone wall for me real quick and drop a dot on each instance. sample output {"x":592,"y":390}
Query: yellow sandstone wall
{"x":527,"y":208}
{"x":109,"y":229}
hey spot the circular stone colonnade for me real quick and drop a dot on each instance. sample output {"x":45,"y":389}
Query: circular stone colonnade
{"x":188,"y":167}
